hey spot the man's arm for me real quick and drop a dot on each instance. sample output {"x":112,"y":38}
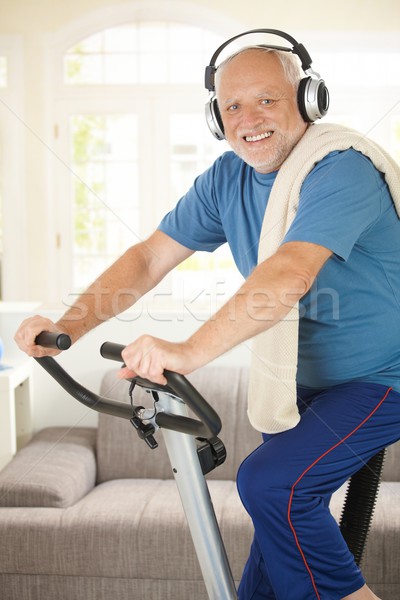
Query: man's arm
{"x":136,"y":272}
{"x":264,"y":299}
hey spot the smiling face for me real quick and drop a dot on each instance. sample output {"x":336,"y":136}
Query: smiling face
{"x":258,"y":106}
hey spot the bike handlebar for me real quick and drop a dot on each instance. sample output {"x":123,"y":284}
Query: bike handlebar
{"x":48,"y":339}
{"x":177,"y":385}
{"x":208,"y":425}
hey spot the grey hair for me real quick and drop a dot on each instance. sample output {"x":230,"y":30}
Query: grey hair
{"x":290,"y":62}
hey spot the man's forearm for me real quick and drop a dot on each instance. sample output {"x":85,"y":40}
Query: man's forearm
{"x":116,"y":290}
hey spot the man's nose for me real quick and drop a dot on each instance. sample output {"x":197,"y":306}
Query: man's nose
{"x":252,"y":116}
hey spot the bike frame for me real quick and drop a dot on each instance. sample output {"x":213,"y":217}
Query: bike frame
{"x":198,"y":507}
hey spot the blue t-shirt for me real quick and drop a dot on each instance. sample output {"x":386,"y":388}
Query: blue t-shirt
{"x":350,"y":319}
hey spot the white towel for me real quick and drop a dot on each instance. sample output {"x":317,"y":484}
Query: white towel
{"x":272,"y":406}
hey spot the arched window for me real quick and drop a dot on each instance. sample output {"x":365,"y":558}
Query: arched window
{"x":141,"y":53}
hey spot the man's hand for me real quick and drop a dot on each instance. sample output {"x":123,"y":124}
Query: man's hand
{"x":148,"y":357}
{"x":29,"y":330}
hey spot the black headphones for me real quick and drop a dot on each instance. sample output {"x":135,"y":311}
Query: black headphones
{"x":312,"y":96}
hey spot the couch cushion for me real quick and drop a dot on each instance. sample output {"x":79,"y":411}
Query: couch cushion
{"x":122,"y":528}
{"x":121,"y":454}
{"x":55,"y":469}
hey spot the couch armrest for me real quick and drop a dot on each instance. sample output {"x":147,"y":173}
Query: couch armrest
{"x":56,"y":469}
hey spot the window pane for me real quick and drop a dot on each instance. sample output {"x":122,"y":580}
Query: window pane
{"x":192,"y":151}
{"x":105,"y":191}
{"x":83,"y":68}
{"x":186,"y":67}
{"x":121,"y":39}
{"x":3,"y":72}
{"x":153,"y":68}
{"x":209,"y":278}
{"x":141,"y":53}
{"x":153,"y":38}
{"x":186,"y":39}
{"x":93,"y":43}
{"x":121,"y":68}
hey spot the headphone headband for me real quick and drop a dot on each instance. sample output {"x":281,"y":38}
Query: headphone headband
{"x":297,"y":49}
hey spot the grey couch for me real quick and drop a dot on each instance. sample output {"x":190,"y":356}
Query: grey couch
{"x":93,"y":514}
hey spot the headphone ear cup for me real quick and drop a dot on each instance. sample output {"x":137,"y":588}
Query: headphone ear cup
{"x":312,"y":99}
{"x":213,"y":118}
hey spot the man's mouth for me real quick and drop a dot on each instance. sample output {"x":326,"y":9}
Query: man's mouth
{"x":259,"y":137}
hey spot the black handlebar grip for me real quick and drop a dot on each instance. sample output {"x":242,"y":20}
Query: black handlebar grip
{"x":58,"y":341}
{"x":111,"y":351}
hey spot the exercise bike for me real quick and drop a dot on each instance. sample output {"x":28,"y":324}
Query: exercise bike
{"x":194,"y":449}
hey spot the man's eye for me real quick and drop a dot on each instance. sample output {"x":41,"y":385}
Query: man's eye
{"x":233,"y":107}
{"x":266,"y":101}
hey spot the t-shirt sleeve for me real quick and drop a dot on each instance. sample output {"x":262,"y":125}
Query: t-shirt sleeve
{"x":195,"y":221}
{"x":339,"y":201}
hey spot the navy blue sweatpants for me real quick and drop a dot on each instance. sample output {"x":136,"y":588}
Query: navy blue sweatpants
{"x":298,"y":552}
